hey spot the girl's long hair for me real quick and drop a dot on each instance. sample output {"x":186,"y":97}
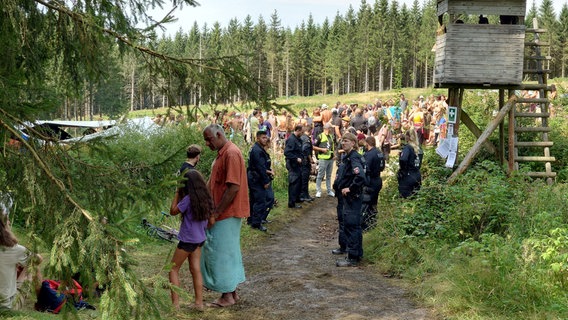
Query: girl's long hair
{"x":412,"y":140}
{"x":7,"y":238}
{"x":201,"y":201}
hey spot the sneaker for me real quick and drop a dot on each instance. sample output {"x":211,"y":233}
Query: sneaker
{"x":347,"y":263}
{"x":318,"y":194}
{"x":260,"y":228}
{"x":331,"y":193}
{"x":338,"y":251}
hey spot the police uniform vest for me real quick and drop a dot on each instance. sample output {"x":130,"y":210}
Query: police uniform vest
{"x":327,"y":143}
{"x":351,"y":174}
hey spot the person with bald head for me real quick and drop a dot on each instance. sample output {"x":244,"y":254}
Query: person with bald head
{"x":222,"y":263}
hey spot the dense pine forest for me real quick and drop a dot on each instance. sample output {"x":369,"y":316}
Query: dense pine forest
{"x":379,"y":46}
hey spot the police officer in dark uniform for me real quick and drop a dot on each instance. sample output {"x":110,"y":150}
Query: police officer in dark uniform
{"x":307,"y":160}
{"x":293,"y":155}
{"x":410,"y":160}
{"x":259,"y":176}
{"x":348,"y":186}
{"x":374,"y":164}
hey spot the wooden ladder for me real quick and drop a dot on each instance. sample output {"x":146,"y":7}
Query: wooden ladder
{"x":531,"y":115}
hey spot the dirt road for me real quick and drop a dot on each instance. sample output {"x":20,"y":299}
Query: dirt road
{"x":292,"y":275}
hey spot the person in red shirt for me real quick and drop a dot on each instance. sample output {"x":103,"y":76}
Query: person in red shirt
{"x":222,"y":263}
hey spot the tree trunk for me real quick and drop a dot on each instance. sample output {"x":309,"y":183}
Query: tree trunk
{"x":381,"y":78}
{"x":366,"y":75}
{"x":426,"y":73}
{"x":390,"y":76}
{"x":287,"y":76}
{"x":348,"y":79}
{"x":132,"y":73}
{"x":414,"y":72}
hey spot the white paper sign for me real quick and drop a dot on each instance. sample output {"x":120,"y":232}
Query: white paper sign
{"x":451,"y":160}
{"x":453,"y":144}
{"x":443,"y":148}
{"x":450,"y":132}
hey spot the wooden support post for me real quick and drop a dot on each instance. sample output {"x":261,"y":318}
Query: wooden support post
{"x":455,"y":97}
{"x":501,"y":153}
{"x":512,"y":140}
{"x":484,"y":136}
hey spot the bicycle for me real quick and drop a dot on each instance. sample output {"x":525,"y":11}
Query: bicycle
{"x":163,"y":232}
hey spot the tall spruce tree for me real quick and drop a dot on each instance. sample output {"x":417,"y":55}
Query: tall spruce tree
{"x":547,"y":20}
{"x":61,"y":193}
{"x":563,"y":39}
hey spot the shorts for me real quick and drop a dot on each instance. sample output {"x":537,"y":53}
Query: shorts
{"x":189,"y":247}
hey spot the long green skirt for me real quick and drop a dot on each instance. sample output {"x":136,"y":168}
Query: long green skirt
{"x":221,"y":259}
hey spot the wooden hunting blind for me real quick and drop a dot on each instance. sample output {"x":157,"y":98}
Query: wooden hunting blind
{"x":484,"y":44}
{"x":480,"y":53}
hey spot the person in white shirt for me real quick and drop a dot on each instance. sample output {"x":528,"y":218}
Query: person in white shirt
{"x":14,"y":259}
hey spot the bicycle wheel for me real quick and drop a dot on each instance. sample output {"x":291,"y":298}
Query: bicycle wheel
{"x":152,"y":232}
{"x":163,"y":234}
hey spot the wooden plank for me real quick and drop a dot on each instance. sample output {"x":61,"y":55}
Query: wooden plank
{"x":541,"y":174}
{"x":532,"y":100}
{"x":539,"y":58}
{"x":535,"y":86}
{"x":534,"y":159}
{"x":511,"y":164}
{"x":471,"y":83}
{"x":532,"y":114}
{"x":442,"y":7}
{"x":481,"y":44}
{"x":501,"y":153}
{"x":471,"y":54}
{"x":533,"y":30}
{"x":537,"y":44}
{"x":532,"y":129}
{"x":533,"y":71}
{"x":480,"y":66}
{"x":529,"y":144}
{"x":486,"y":28}
{"x":487,"y":7}
{"x":467,"y":78}
{"x":481,"y":140}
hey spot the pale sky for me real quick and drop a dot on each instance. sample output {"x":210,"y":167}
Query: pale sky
{"x":291,"y":12}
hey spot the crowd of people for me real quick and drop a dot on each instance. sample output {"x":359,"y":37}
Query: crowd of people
{"x":358,"y":140}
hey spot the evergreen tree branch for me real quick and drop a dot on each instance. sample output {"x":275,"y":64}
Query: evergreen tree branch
{"x":44,"y":167}
{"x":79,"y":18}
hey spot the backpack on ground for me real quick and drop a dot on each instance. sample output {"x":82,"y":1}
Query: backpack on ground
{"x":51,"y":299}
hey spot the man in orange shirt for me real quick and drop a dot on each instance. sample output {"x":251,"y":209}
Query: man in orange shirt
{"x":222,"y":262}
